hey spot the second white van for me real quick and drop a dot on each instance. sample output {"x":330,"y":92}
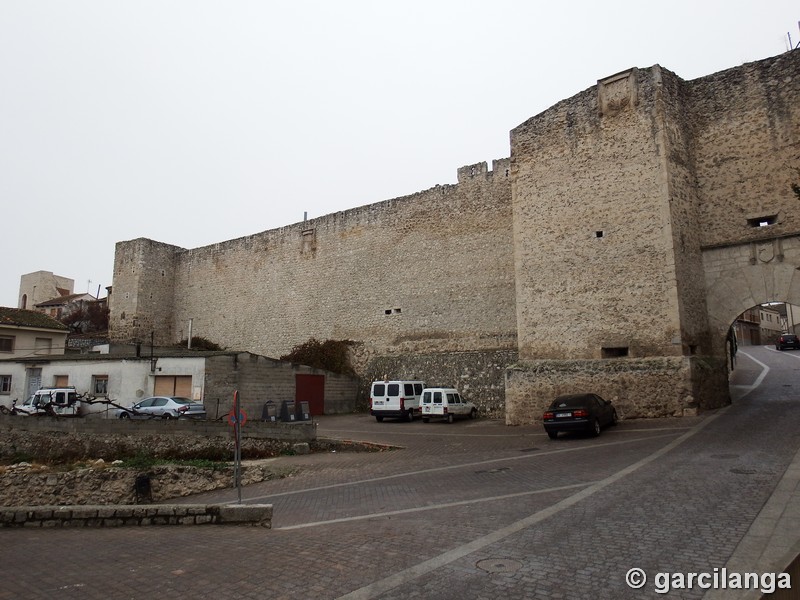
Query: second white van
{"x":445,"y":403}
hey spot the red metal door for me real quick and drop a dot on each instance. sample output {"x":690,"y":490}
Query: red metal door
{"x":311,"y":389}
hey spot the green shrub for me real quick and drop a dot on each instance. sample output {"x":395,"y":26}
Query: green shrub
{"x":331,"y":355}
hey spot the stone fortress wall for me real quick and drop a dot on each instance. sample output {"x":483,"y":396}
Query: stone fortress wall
{"x":418,"y":277}
{"x":580,"y":262}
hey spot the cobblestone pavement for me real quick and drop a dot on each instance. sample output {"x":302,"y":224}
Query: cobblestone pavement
{"x":469,"y":510}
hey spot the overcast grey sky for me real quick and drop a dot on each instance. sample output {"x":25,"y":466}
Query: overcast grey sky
{"x":196,"y":121}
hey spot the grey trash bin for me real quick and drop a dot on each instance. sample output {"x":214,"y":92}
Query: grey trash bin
{"x":269,"y":412}
{"x":287,"y":411}
{"x":303,"y":413}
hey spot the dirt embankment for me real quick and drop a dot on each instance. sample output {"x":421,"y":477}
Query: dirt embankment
{"x":57,"y":468}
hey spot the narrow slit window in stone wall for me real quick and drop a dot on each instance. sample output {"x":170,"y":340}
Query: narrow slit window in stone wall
{"x":764,"y":221}
{"x":615,"y":352}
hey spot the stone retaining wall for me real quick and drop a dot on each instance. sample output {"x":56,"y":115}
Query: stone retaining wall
{"x":106,"y":484}
{"x":136,"y":515}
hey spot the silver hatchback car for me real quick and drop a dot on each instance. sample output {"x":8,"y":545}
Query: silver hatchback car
{"x":165,"y":407}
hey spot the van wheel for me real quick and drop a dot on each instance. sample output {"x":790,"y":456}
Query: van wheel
{"x":379,"y":418}
{"x":473,"y":413}
{"x":450,"y":418}
{"x":426,"y":420}
{"x":410,"y":415}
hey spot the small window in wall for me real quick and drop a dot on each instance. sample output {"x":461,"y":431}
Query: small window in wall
{"x":599,"y":233}
{"x":764,"y":221}
{"x":5,"y":384}
{"x":100,"y":385}
{"x":6,"y":343}
{"x":615,"y":352}
{"x":61,"y":381}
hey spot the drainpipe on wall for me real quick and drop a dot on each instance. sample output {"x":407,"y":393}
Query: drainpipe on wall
{"x":189,"y":344}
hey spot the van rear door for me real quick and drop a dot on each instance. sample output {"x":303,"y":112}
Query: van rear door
{"x":393,"y":393}
{"x":378,"y":395}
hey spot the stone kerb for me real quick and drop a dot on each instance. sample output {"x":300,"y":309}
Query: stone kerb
{"x":136,"y":515}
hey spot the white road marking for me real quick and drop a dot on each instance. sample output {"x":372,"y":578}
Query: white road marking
{"x":384,"y":585}
{"x":392,"y":513}
{"x":743,"y":390}
{"x":452,"y":467}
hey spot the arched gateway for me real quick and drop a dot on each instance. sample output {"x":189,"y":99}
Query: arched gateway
{"x":745,"y":275}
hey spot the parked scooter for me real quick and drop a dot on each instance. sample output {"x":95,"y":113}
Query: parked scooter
{"x":9,"y":411}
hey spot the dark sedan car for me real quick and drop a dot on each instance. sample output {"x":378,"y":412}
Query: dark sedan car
{"x":787,"y":340}
{"x":578,"y":412}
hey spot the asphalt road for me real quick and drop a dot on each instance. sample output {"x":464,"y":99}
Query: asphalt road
{"x":475,"y":509}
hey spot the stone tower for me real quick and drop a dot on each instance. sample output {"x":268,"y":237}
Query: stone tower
{"x":608,"y":252}
{"x":142,"y":297}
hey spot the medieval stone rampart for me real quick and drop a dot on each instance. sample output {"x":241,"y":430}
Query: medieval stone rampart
{"x":427,"y":273}
{"x":589,"y":244}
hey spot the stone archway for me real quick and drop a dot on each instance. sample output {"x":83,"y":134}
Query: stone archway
{"x":744,"y":275}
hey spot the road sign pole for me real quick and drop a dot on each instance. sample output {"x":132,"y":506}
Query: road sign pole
{"x":237,"y":434}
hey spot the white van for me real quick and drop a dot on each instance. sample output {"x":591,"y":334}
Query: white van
{"x":445,"y":403}
{"x":395,"y":399}
{"x":63,"y":402}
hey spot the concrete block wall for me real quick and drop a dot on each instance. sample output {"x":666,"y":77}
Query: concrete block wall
{"x":296,"y":432}
{"x":259,"y":379}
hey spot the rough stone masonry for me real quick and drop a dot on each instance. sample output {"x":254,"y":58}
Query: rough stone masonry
{"x":612,"y":251}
